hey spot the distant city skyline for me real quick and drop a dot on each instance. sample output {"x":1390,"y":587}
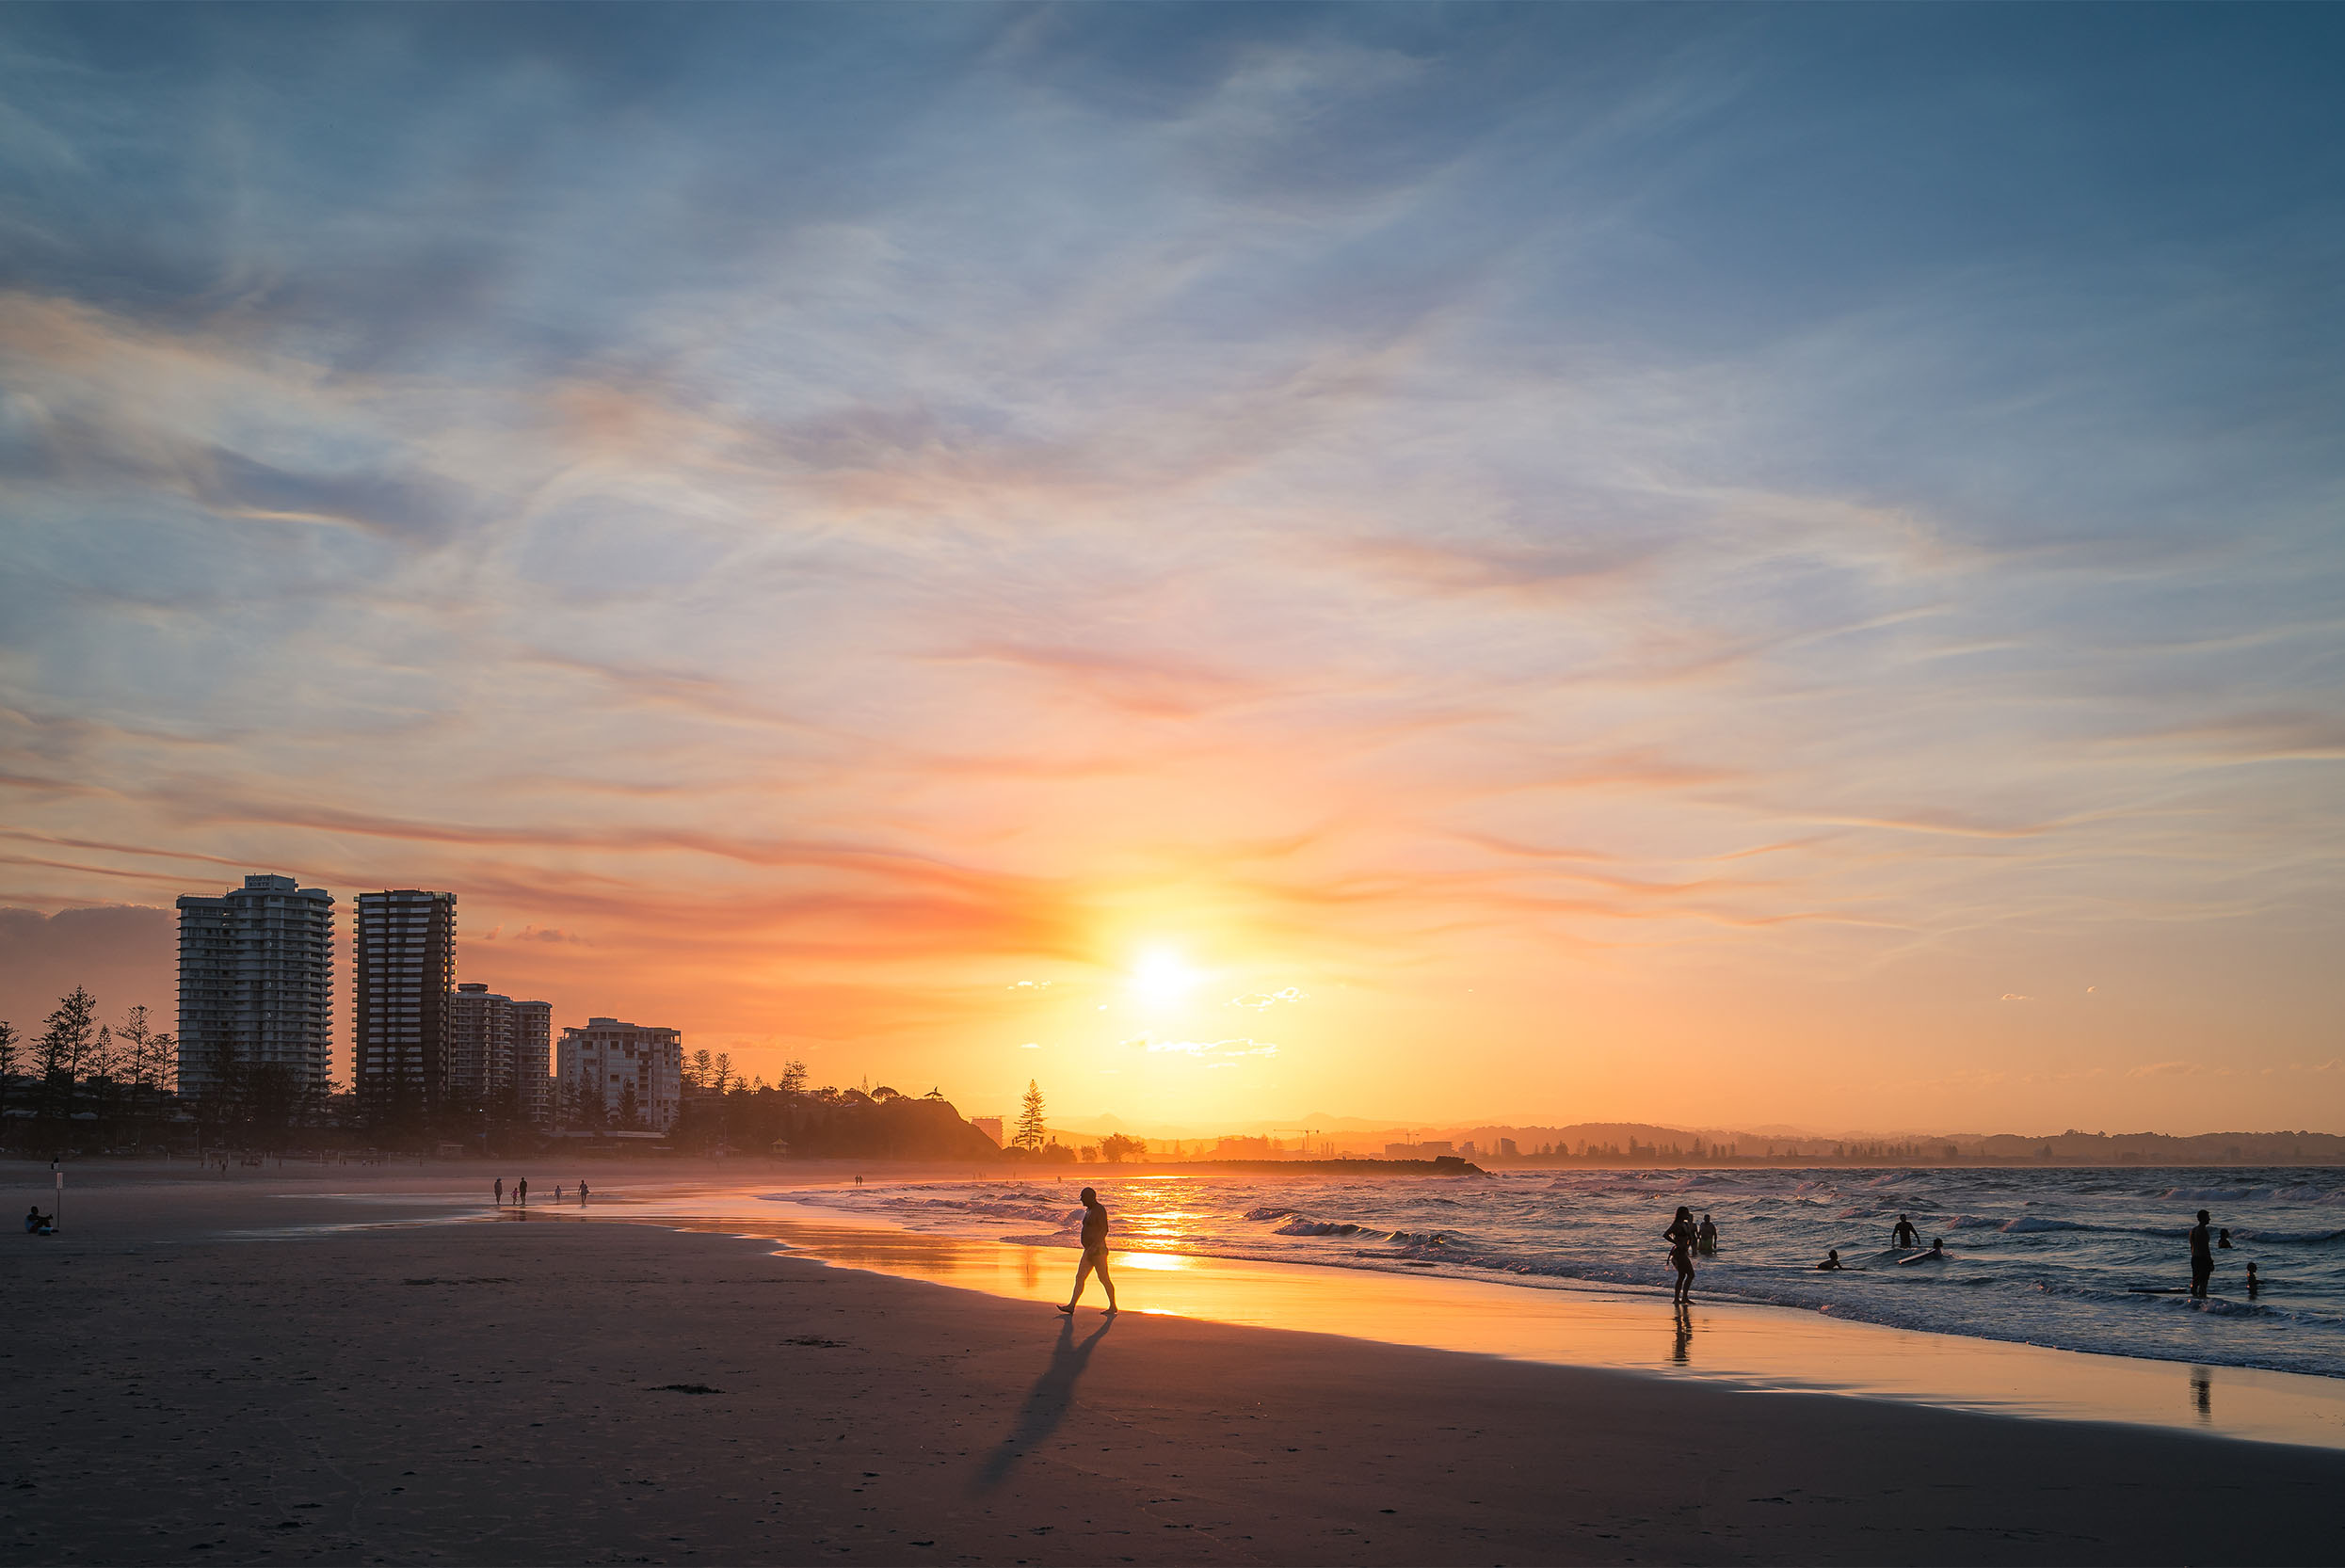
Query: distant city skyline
{"x":1697,"y":564}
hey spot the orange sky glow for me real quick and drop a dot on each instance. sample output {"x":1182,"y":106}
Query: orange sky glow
{"x":1462,"y":618}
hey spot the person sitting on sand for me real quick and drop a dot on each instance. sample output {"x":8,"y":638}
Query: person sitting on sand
{"x":1710,"y":1237}
{"x":32,"y":1219}
{"x":1094,"y":1251}
{"x":1682,"y":1238}
{"x":1935,"y":1254}
{"x":1903,"y":1233}
{"x":1832,"y":1261}
{"x":2202,"y":1256}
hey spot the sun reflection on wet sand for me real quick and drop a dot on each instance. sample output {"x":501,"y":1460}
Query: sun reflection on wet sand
{"x":1753,"y":1347}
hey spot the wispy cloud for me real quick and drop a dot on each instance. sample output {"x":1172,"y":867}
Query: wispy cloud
{"x":839,"y":507}
{"x":1224,"y":1050}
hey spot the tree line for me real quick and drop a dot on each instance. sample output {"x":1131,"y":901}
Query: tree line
{"x":76,"y":1068}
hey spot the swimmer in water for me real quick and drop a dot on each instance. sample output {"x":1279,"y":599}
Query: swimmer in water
{"x":2253,"y":1285}
{"x":1710,"y":1237}
{"x":1903,"y":1233}
{"x":1935,"y":1254}
{"x":1831,"y":1261}
{"x":2223,"y":1240}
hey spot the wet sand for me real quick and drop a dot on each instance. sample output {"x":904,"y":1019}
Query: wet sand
{"x":1741,"y":1345}
{"x":533,"y":1391}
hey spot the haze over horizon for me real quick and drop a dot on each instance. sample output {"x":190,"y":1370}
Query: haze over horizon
{"x":1684,"y":564}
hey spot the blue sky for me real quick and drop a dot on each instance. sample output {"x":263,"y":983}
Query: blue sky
{"x":1738,"y":536}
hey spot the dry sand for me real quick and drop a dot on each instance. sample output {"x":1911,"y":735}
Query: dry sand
{"x":529,"y":1392}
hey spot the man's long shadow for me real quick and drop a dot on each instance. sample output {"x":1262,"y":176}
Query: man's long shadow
{"x":1046,"y":1402}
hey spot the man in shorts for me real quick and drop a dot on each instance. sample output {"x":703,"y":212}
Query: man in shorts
{"x":1094,"y":1251}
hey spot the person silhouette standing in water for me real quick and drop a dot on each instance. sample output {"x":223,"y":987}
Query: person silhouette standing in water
{"x":2202,"y":1256}
{"x":1903,"y":1233}
{"x":1710,"y":1237}
{"x":1682,"y":1239}
{"x":1094,"y":1251}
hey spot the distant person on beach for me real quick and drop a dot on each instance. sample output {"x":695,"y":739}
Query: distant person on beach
{"x":1832,"y":1261}
{"x":1935,"y":1254}
{"x":1094,"y":1251}
{"x":1710,"y":1237}
{"x":581,"y":1192}
{"x":35,"y":1221}
{"x":2202,"y":1256}
{"x":1682,"y":1238}
{"x":1903,"y":1233}
{"x":499,"y":1192}
{"x":520,"y":1192}
{"x":558,"y":1195}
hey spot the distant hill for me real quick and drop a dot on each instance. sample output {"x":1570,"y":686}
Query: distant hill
{"x":901,"y":1127}
{"x":1651,"y":1143}
{"x":1647,"y":1142}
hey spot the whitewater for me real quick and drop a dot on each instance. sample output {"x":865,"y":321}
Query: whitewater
{"x":2051,"y":1257}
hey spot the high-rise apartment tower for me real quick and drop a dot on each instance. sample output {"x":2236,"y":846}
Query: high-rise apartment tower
{"x":406,"y":948}
{"x":256,"y":982}
{"x":497,"y":1052}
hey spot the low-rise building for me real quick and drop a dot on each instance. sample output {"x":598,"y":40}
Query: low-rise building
{"x":609,"y":1066}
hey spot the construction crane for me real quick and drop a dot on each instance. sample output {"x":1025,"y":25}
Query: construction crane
{"x":1305,"y":1133}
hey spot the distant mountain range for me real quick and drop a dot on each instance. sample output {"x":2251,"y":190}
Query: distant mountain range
{"x":1647,"y":1141}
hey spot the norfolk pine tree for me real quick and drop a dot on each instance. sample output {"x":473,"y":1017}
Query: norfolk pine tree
{"x":1032,"y":1132}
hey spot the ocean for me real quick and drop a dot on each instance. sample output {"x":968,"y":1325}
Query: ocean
{"x":2053,"y":1258}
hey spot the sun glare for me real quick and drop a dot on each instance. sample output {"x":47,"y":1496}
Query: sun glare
{"x":1162,"y":978}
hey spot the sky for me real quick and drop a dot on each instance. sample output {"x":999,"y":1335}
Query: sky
{"x":1713,"y":566}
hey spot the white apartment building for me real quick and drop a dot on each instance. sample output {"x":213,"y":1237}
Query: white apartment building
{"x":607,"y":1056}
{"x":256,"y":981}
{"x":497,"y":1053}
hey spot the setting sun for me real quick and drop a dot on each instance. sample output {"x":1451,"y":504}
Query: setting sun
{"x":1162,"y":978}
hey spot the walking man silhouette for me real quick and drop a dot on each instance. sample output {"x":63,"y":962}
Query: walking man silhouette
{"x":1094,"y":1251}
{"x":2202,"y":1256}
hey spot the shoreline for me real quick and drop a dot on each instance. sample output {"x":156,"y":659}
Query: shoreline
{"x":364,"y":1386}
{"x":1743,"y":1345}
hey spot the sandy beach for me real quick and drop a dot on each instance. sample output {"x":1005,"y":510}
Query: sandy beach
{"x":226,"y":1370}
